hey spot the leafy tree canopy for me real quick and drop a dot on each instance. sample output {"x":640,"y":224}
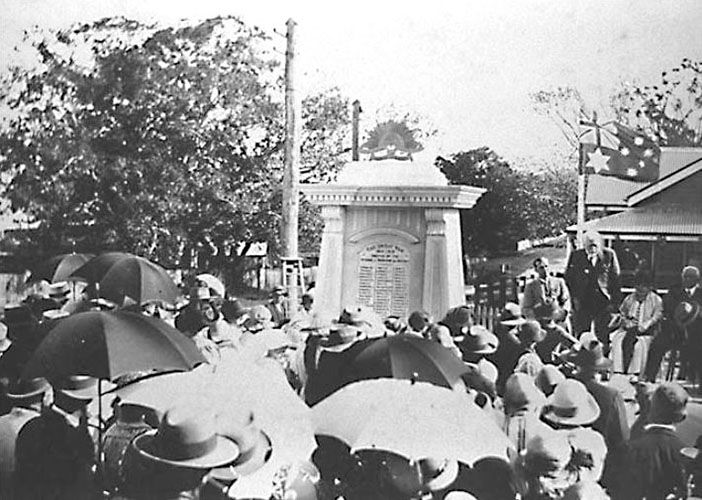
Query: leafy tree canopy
{"x":518,"y":204}
{"x":164,"y":141}
{"x":670,"y":111}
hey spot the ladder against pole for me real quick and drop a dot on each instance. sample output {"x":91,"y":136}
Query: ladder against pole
{"x":293,"y":279}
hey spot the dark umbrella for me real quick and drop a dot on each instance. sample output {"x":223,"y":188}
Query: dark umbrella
{"x":109,"y":344}
{"x":60,"y":267}
{"x":121,"y":275}
{"x":408,"y":357}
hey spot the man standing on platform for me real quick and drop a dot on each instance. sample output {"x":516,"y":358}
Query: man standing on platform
{"x":593,"y":277}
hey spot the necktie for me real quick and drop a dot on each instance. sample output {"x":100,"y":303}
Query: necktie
{"x":547,"y":289}
{"x":593,"y":260}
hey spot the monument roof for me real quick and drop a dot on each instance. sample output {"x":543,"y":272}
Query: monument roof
{"x":391,"y":173}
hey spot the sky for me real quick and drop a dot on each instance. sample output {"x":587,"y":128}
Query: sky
{"x":468,"y":67}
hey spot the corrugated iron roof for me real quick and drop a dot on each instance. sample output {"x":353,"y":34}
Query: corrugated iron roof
{"x":653,"y":219}
{"x":612,"y":191}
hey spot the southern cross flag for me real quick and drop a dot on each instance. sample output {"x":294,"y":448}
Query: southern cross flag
{"x":616,"y":150}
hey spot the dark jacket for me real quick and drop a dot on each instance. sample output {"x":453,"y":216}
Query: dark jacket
{"x":651,"y":467}
{"x":584,"y":280}
{"x":54,"y":460}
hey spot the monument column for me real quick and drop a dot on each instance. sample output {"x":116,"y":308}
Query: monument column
{"x":443,"y":267}
{"x":330,"y":271}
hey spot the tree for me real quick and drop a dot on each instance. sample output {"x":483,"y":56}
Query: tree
{"x":670,"y":111}
{"x":565,"y":107}
{"x":518,"y":204}
{"x":164,"y":141}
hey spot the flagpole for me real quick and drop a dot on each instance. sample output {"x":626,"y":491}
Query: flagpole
{"x":582,"y":184}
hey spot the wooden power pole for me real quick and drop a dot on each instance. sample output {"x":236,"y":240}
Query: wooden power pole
{"x":291,"y":178}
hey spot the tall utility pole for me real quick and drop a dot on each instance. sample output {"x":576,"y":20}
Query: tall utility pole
{"x":291,"y":179}
{"x":354,"y":129}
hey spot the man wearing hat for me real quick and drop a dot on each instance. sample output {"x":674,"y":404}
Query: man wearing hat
{"x":682,"y":325}
{"x":326,"y":357}
{"x":27,"y":398}
{"x":171,"y":461}
{"x":612,"y":422}
{"x":57,"y":447}
{"x":651,"y":466}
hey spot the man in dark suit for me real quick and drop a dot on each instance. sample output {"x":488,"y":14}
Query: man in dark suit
{"x":593,"y":277}
{"x":685,"y":336}
{"x":651,"y":466}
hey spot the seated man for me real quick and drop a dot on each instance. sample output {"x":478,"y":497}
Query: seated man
{"x":641,"y":313}
{"x":544,"y":289}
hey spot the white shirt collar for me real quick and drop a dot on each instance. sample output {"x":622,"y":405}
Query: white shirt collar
{"x":659,"y":426}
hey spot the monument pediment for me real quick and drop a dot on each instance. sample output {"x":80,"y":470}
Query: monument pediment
{"x":392,"y":183}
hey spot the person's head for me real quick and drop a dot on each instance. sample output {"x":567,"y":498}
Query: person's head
{"x":307,"y":300}
{"x":571,"y":405}
{"x":668,"y":404}
{"x":493,"y":478}
{"x":690,"y":276}
{"x":545,"y":462}
{"x":278,"y":295}
{"x":548,"y":378}
{"x":521,"y":394}
{"x":260,"y":318}
{"x":419,"y":320}
{"x":541,"y":267}
{"x":29,"y":393}
{"x":233,"y":311}
{"x":530,"y":333}
{"x":592,"y":242}
{"x":458,"y":320}
{"x":643,"y":284}
{"x":74,"y":393}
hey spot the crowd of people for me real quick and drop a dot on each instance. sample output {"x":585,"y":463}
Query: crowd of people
{"x":542,"y":373}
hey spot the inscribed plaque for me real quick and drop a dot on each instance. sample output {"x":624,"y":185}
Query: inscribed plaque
{"x":383,"y":279}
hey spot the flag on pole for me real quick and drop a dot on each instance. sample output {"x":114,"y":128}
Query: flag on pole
{"x":615,"y":150}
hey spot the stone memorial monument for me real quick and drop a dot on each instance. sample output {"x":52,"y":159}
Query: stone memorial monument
{"x":392,"y":236}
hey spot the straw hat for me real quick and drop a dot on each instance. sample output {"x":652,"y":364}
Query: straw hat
{"x":478,"y":340}
{"x":571,"y":405}
{"x":186,"y":438}
{"x":511,"y":315}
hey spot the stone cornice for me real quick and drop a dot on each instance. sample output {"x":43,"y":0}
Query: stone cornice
{"x":384,"y":196}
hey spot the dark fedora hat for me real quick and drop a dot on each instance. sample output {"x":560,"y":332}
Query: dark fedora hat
{"x":686,"y":312}
{"x":187,"y":438}
{"x":28,"y":389}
